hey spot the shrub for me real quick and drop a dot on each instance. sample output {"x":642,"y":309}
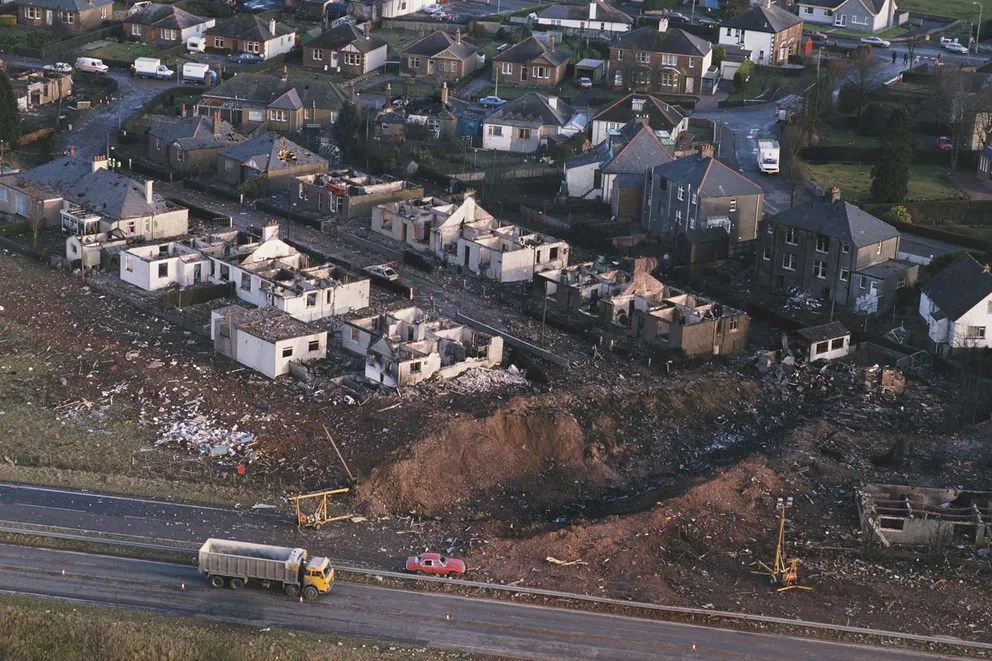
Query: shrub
{"x":899,"y":214}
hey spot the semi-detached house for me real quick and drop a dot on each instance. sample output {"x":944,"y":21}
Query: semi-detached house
{"x":346,"y":49}
{"x":246,"y":33}
{"x":957,"y":306}
{"x":164,"y":25}
{"x":440,"y":56}
{"x":248,"y":101}
{"x":771,"y":34}
{"x":526,"y":123}
{"x":860,"y":15}
{"x":663,"y":60}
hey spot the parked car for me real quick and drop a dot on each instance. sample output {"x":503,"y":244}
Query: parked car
{"x":58,"y":67}
{"x":815,"y":35}
{"x":960,"y":49}
{"x":675,"y":16}
{"x":706,"y":20}
{"x":875,"y":41}
{"x":433,"y":9}
{"x":491,"y":102}
{"x":442,"y":16}
{"x":943,"y":142}
{"x":584,"y":82}
{"x":246,"y":58}
{"x":382,"y":271}
{"x":434,"y":564}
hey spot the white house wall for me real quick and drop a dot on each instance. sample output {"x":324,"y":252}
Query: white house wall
{"x":328,"y":302}
{"x":279,"y":45}
{"x":580,"y":182}
{"x":955,"y":332}
{"x":759,"y":43}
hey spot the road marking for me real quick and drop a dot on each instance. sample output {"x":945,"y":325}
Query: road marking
{"x":92,"y":494}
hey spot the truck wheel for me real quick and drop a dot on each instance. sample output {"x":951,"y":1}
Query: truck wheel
{"x":291,"y":590}
{"x":310,"y":592}
{"x":237,"y":583}
{"x":217,"y":581}
{"x":419,"y":572}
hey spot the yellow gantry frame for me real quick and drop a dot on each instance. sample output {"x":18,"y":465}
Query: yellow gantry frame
{"x":319,"y":516}
{"x":782,"y":572}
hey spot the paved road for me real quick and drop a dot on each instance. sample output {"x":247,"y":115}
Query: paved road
{"x":430,"y":619}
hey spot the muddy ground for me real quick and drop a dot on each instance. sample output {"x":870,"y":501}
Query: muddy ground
{"x":648,"y":485}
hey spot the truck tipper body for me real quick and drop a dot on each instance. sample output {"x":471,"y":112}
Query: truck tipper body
{"x":152,"y":67}
{"x":195,"y":72}
{"x":768,"y":153}
{"x":225,"y":562}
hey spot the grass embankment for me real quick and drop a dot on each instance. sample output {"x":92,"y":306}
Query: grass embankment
{"x":35,"y":629}
{"x":926,"y":182}
{"x":964,"y":9}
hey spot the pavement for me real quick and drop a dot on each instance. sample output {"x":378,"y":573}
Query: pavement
{"x":389,"y":615}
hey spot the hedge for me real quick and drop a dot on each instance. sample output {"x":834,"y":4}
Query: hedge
{"x":839,"y":154}
{"x":71,"y":46}
{"x":939,"y":212}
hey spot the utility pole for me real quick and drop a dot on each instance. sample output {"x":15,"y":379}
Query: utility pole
{"x":119,"y":111}
{"x":3,"y":163}
{"x":978,"y":33}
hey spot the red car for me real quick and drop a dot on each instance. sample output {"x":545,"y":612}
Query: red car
{"x":434,"y":564}
{"x":943,"y":142}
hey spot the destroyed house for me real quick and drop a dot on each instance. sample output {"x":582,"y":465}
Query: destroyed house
{"x":925,"y":516}
{"x":406,"y":347}
{"x":430,"y":224}
{"x":351,"y":194}
{"x":509,"y":253}
{"x":270,"y":156}
{"x":638,"y":305}
{"x":265,"y":271}
{"x":39,"y":88}
{"x":264,"y":339}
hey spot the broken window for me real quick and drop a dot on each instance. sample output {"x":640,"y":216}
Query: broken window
{"x":163,"y":270}
{"x":789,"y":262}
{"x":129,"y":264}
{"x":845,"y":274}
{"x":836,"y":344}
{"x":354,"y":334}
{"x":287,"y":352}
{"x":312,"y":300}
{"x":734,"y":324}
{"x":553,"y":254}
{"x":414,"y":368}
{"x":891,"y":524}
{"x":246,"y":282}
{"x":223,"y":331}
{"x":821,"y":347}
{"x":845,"y":247}
{"x":863,"y":284}
{"x":314,"y":345}
{"x":225,"y":272}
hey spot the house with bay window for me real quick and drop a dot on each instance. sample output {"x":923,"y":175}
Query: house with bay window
{"x":249,"y":100}
{"x":861,"y":15}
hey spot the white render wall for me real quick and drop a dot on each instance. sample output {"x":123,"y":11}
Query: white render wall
{"x":955,"y":332}
{"x":279,"y":45}
{"x":264,"y":356}
{"x":759,"y":43}
{"x":394,"y":8}
{"x":329,"y":302}
{"x":580,"y":180}
{"x":830,"y":354}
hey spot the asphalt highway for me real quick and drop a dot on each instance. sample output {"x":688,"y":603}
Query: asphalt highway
{"x":388,"y":615}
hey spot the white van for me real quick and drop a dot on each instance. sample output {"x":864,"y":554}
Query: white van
{"x":196,"y":45}
{"x":91,"y":64}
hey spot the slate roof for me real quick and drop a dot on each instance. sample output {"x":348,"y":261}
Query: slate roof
{"x":772,"y":19}
{"x":438,"y":42}
{"x":532,"y":109}
{"x":660,"y":114}
{"x":678,"y":42}
{"x":267,"y":324}
{"x":262,"y":90}
{"x":823,"y":332}
{"x":64,"y":5}
{"x":114,"y":196}
{"x":262,"y":153}
{"x":840,"y":220}
{"x":54,"y":176}
{"x":874,"y":6}
{"x":959,"y":287}
{"x":597,"y":154}
{"x":165,"y":16}
{"x":345,"y":34}
{"x":529,"y":50}
{"x":708,"y":176}
{"x":248,"y":26}
{"x":605,"y":13}
{"x":643,"y":152}
{"x":195,"y":133}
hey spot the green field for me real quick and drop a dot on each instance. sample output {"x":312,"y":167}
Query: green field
{"x":831,"y":137}
{"x":951,"y":8}
{"x":926,"y":182}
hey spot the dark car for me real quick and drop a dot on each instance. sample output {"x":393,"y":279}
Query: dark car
{"x":246,"y":58}
{"x":815,"y":35}
{"x":434,"y":564}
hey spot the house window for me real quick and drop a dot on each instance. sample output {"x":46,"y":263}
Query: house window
{"x":844,"y":275}
{"x":353,"y":59}
{"x":415,"y":368}
{"x":540,"y":72}
{"x":790,"y":236}
{"x":695,"y":199}
{"x":900,"y":283}
{"x":976,"y":332}
{"x":507,"y":68}
{"x":158,"y":145}
{"x":619,"y":52}
{"x":218,"y":42}
{"x":733,"y":204}
{"x":313,"y":345}
{"x":223,"y":331}
{"x":820,"y":269}
{"x":278,"y":116}
{"x":32,"y":12}
{"x":496,"y":131}
{"x":807,"y":9}
{"x":163,"y":270}
{"x":318,"y":54}
{"x":643,"y":57}
{"x":836,"y":344}
{"x":414,"y":62}
{"x":789,"y":262}
{"x":67,"y":17}
{"x":524,"y":134}
{"x":766,"y":254}
{"x":312,"y":300}
{"x":104,"y":13}
{"x":128,"y":261}
{"x":988,"y":309}
{"x":822,"y":243}
{"x":878,"y":250}
{"x":179,"y":155}
{"x":678,"y":217}
{"x":845,"y":247}
{"x":692,"y":62}
{"x":354,"y":334}
{"x":669,"y":60}
{"x":253,"y":47}
{"x":308,"y":113}
{"x":735,"y":324}
{"x":821,"y":347}
{"x":246,"y":282}
{"x":287,"y":352}
{"x":770,"y":228}
{"x":169,"y":35}
{"x":136,"y":30}
{"x":255,"y":116}
{"x":863,"y":283}
{"x":681,"y":193}
{"x":129,"y":227}
{"x":225,"y":272}
{"x":228,"y":165}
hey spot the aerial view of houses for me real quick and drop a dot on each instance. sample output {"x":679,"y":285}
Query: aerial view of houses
{"x":676,"y":307}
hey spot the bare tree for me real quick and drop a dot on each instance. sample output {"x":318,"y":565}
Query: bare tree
{"x":795,"y":138}
{"x":865,"y":73}
{"x":36,"y":222}
{"x":951,"y":92}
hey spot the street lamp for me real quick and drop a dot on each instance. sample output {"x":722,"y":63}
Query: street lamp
{"x":978,"y":32}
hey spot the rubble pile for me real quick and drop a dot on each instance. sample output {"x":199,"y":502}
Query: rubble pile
{"x":198,"y":434}
{"x":482,"y":380}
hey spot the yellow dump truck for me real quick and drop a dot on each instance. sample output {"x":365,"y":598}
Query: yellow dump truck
{"x":224,"y":562}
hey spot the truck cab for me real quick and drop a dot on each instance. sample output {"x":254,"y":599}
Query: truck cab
{"x":319,"y":574}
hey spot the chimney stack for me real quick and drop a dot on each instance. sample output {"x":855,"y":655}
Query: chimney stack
{"x":663,"y":25}
{"x":216,"y":123}
{"x":272,"y":26}
{"x":368,"y":29}
{"x":458,"y":36}
{"x":592,"y":10}
{"x":553,"y":102}
{"x":551,"y":43}
{"x":270,"y":230}
{"x":100,"y":162}
{"x":149,"y":191}
{"x":444,"y":94}
{"x":706,"y":150}
{"x":389,"y":96}
{"x":833,"y":195}
{"x":285,"y":72}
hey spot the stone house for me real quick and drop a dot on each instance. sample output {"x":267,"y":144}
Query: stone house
{"x":274,"y":157}
{"x":346,"y":49}
{"x":164,"y":25}
{"x":439,"y":56}
{"x":669,"y":61}
{"x":248,"y":101}
{"x":74,"y":16}
{"x":530,"y":62}
{"x":190,"y":145}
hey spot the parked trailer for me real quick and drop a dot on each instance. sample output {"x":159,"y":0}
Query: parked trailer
{"x":195,"y":72}
{"x":234,"y":563}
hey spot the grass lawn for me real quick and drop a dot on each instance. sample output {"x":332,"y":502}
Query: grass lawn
{"x":131,"y":50}
{"x":768,"y":83}
{"x":831,"y":137}
{"x":22,"y":36}
{"x":926,"y":182}
{"x":950,"y":8}
{"x":891,"y":33}
{"x":397,"y":39}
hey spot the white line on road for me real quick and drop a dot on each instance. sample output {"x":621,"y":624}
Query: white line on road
{"x":91,"y":494}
